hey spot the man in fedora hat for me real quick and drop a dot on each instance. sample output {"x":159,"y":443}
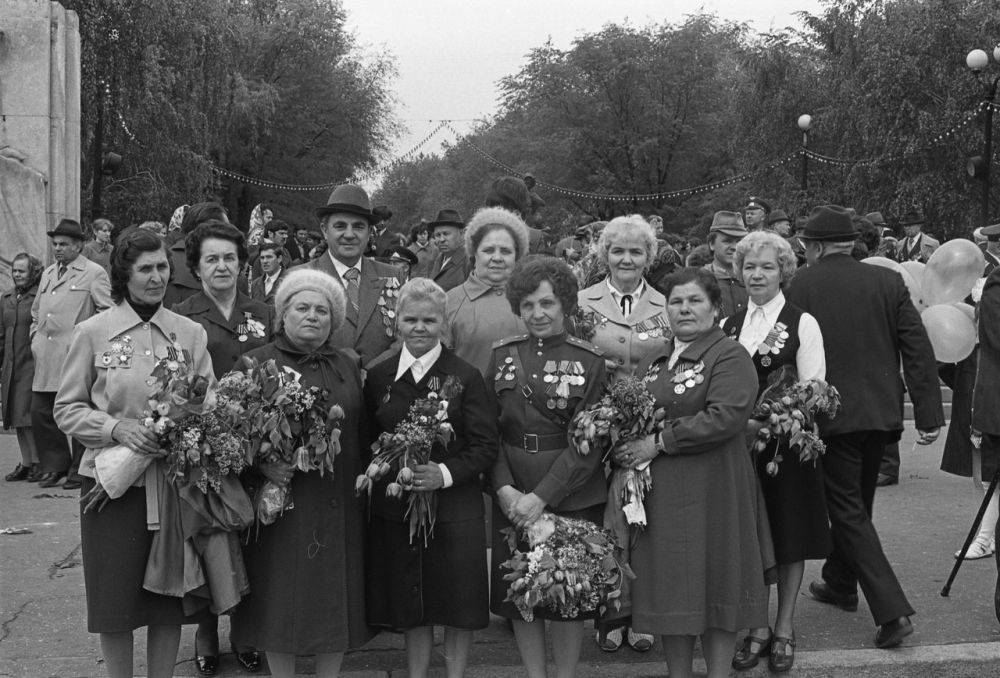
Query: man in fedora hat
{"x":726,"y":231}
{"x":869,"y":325}
{"x":346,"y":222}
{"x":382,"y":236}
{"x":915,"y":245}
{"x":70,"y":291}
{"x":755,"y":213}
{"x":779,"y":222}
{"x":451,"y":267}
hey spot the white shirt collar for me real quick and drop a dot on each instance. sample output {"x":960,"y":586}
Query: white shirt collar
{"x":427,"y":360}
{"x":341,"y":267}
{"x":269,"y":279}
{"x":771,"y":309}
{"x":617,"y":295}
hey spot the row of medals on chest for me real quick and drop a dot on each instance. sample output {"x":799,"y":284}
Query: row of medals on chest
{"x":647,"y":329}
{"x":559,"y":376}
{"x":773,"y":343}
{"x":686,"y":376}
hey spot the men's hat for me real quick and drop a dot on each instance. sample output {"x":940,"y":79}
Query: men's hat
{"x":730,"y":223}
{"x":876,"y":218}
{"x":912,"y":218}
{"x":831,"y":223}
{"x":991,"y":232}
{"x":776,"y":216}
{"x":446,"y":218}
{"x":68,"y":227}
{"x":755,"y":202}
{"x":887,"y":233}
{"x":382,"y":213}
{"x":400,"y":253}
{"x":350,"y":199}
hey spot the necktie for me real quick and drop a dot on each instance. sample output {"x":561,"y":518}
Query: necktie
{"x":62,"y":271}
{"x":351,"y":277}
{"x":626,"y":303}
{"x":418,"y":370}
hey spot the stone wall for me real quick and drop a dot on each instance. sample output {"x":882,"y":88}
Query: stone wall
{"x":39,"y":125}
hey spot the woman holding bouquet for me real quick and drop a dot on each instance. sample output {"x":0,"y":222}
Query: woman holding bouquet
{"x":306,"y":569}
{"x":413,"y":584}
{"x":100,"y":403}
{"x":700,"y":562}
{"x":779,"y":336}
{"x":541,"y":380}
{"x":235,"y":323}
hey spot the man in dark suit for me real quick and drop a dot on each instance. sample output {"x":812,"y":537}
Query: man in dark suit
{"x":274,"y":261}
{"x":869,"y":326}
{"x":382,"y":237}
{"x":451,"y":267}
{"x":370,"y":286}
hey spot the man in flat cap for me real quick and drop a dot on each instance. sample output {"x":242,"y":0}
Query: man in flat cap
{"x":869,"y":327}
{"x":369,"y":327}
{"x":726,"y":231}
{"x":70,"y":291}
{"x":779,"y":222}
{"x":755,"y":213}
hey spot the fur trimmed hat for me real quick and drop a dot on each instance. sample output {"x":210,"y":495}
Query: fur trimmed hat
{"x":485,"y":218}
{"x":302,"y":279}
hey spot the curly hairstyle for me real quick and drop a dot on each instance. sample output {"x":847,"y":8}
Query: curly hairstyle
{"x":704,"y":279}
{"x":35,"y":268}
{"x":132,"y":243}
{"x":213,"y":229}
{"x":529,"y":274}
{"x":761,"y":240}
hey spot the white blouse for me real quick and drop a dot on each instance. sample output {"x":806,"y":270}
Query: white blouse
{"x":810,"y":359}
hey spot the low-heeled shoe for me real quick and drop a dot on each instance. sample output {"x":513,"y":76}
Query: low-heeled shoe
{"x":250,"y":660}
{"x":207,"y":664}
{"x":20,"y":472}
{"x":782,"y":654}
{"x":892,"y":633}
{"x":745,"y":658}
{"x":51,"y":479}
{"x":822,"y":592}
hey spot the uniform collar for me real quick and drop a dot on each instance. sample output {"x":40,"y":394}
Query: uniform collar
{"x":548,"y":342}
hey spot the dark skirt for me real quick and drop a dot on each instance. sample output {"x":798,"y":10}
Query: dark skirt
{"x":796,"y":508}
{"x":444,"y":583}
{"x":501,"y":553}
{"x":116,"y":547}
{"x":957,"y":456}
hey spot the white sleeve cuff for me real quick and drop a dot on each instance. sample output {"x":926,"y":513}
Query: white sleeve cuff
{"x":446,"y":474}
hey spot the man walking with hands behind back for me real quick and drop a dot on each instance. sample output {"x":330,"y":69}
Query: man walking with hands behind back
{"x":869,"y":326}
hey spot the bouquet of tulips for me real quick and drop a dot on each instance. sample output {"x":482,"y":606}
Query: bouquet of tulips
{"x":787,"y":411}
{"x":570,"y":567}
{"x":407,"y":446}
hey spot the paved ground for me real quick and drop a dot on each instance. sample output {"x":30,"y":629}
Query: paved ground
{"x":922,"y":522}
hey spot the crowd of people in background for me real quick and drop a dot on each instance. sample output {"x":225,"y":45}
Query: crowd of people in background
{"x":374,"y":312}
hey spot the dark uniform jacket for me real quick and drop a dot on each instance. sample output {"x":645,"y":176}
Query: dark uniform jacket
{"x":536,"y":455}
{"x":869,"y":323}
{"x":229,"y":339}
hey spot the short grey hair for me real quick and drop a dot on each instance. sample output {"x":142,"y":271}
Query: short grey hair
{"x":302,"y":279}
{"x":422,"y":289}
{"x":760,"y":240}
{"x":627,"y":226}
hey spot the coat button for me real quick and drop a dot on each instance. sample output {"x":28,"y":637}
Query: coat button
{"x":621,"y":361}
{"x":334,"y":503}
{"x":621,"y":340}
{"x":145,"y":326}
{"x":148,"y":351}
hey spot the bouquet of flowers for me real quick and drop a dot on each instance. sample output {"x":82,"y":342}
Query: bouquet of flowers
{"x":626,"y":412}
{"x":409,"y":445}
{"x":286,"y":422}
{"x":787,"y":410}
{"x":570,"y":567}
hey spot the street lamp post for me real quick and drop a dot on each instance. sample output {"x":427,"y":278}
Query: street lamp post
{"x":982,"y":168}
{"x":805,"y":124}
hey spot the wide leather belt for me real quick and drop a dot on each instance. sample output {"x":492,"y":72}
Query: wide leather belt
{"x":533,"y":444}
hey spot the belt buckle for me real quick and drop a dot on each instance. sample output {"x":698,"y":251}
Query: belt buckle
{"x":530,"y":443}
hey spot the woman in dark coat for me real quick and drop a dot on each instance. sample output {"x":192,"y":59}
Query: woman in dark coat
{"x":537,"y":469}
{"x":413,"y":586}
{"x":306,"y":569}
{"x":700,"y":562}
{"x":17,"y":365}
{"x":236,"y":324}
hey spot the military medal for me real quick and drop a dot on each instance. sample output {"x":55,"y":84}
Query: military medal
{"x":773,"y":343}
{"x":550,"y":403}
{"x":387,"y":303}
{"x":679,"y":389}
{"x":766,"y":361}
{"x":562,"y":403}
{"x":643,"y":336}
{"x":505,"y":370}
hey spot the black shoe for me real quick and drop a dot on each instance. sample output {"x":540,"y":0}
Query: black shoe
{"x":822,"y":592}
{"x":745,"y":658}
{"x":250,"y":660}
{"x":207,"y":664}
{"x":35,"y":474}
{"x":73,"y":483}
{"x":892,"y":633}
{"x":782,"y":654}
{"x":51,"y":479}
{"x":885,"y":481}
{"x":20,"y":472}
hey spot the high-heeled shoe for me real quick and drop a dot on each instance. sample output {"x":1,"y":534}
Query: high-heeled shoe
{"x":745,"y":656}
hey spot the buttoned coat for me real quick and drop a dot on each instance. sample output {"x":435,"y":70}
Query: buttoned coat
{"x":17,"y":366}
{"x":454,"y":272}
{"x":626,"y":342}
{"x":98,"y":389}
{"x":59,"y":306}
{"x":869,"y":323}
{"x":374,"y":332}
{"x":986,"y":394}
{"x":257,"y":288}
{"x":927,"y":247}
{"x":223,"y":335}
{"x":477,"y":315}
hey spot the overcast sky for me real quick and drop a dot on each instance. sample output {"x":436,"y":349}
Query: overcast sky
{"x":451,"y":53}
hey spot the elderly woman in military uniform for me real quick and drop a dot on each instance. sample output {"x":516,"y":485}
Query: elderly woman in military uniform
{"x":541,"y":380}
{"x":478,"y":310}
{"x":778,"y":334}
{"x":105,"y":386}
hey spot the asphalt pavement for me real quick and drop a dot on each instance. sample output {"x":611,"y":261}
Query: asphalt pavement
{"x":922,"y":522}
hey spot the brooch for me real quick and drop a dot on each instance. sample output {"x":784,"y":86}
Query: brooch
{"x":687,"y":376}
{"x":120,"y":354}
{"x":505,"y":370}
{"x":387,"y":304}
{"x":249,"y":327}
{"x":652,"y":372}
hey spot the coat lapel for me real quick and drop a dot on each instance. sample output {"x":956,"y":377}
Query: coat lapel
{"x":649,"y":306}
{"x":602,"y":302}
{"x":370,"y":287}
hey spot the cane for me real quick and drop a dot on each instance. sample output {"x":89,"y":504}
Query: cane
{"x":972,"y":533}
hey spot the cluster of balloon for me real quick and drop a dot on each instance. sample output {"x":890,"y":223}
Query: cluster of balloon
{"x":938,"y":290}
